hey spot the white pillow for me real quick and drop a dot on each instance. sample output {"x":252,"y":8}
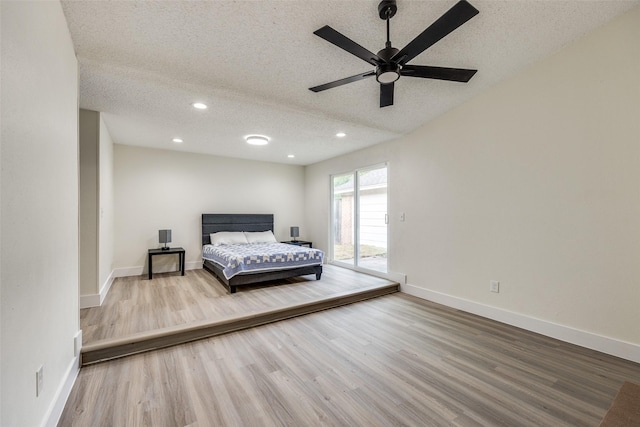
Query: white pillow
{"x":228,"y":238}
{"x":260,"y":236}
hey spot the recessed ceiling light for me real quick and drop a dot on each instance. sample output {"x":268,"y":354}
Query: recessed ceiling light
{"x":257,"y":139}
{"x":199,"y":105}
{"x":177,"y":140}
{"x":291,"y":156}
{"x":341,"y":134}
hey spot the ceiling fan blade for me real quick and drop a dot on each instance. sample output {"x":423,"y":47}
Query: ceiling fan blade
{"x":460,"y":13}
{"x":386,"y":95}
{"x":440,"y":73}
{"x":343,"y":81}
{"x":345,"y":43}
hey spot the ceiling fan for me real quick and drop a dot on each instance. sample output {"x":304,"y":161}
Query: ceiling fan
{"x":391,"y":63}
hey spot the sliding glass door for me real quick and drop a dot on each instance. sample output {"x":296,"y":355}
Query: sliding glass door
{"x":359,"y":220}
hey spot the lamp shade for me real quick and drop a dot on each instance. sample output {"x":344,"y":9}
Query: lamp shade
{"x":295,"y":232}
{"x":164,"y":236}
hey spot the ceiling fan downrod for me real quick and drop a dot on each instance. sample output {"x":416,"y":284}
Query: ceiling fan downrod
{"x":387,"y":10}
{"x":387,"y":72}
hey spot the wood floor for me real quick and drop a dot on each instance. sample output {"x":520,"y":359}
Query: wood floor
{"x":393,"y":360}
{"x":136,"y":304}
{"x":143,"y":315}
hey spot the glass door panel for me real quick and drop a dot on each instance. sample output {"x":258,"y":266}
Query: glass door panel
{"x":359,"y":220}
{"x":372,"y":219}
{"x":343,"y":220}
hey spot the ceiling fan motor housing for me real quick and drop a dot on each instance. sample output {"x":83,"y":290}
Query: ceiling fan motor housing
{"x":387,"y":53}
{"x":387,"y":8}
{"x":387,"y":72}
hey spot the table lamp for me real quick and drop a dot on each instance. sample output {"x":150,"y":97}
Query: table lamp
{"x":295,"y":232}
{"x":165,"y":237}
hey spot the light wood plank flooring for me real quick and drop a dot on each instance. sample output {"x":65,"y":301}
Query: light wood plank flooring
{"x":393,"y":360}
{"x":136,"y":304}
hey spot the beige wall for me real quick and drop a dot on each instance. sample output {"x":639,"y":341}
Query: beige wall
{"x":96,"y":208}
{"x":39,"y":178}
{"x":89,"y":146}
{"x":158,"y":189}
{"x":535,"y":183}
{"x":106,"y":208}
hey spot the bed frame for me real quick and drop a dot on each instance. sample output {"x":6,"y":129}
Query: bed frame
{"x":213,"y":223}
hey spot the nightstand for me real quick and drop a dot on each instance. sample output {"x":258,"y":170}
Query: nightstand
{"x":153,"y":252}
{"x":299,"y":243}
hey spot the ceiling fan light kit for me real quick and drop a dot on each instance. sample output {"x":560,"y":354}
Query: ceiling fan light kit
{"x":390,"y":62}
{"x":387,"y":73}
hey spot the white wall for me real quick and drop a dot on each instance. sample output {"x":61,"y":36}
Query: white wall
{"x":39,"y":179}
{"x":158,"y":189}
{"x":535,"y":183}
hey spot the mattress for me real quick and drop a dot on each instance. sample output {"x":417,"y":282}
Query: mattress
{"x":258,"y":257}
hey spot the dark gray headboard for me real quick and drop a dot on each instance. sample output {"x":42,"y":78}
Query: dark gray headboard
{"x":212,"y":223}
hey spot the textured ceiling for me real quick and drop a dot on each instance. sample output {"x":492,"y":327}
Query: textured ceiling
{"x":142,"y":63}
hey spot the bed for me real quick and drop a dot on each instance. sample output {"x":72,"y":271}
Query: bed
{"x":254,"y":224}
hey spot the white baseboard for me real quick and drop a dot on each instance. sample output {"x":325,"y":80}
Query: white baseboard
{"x":95,"y":300}
{"x":91,"y":300}
{"x":394,"y":277}
{"x":193,"y":265}
{"x":104,"y":290}
{"x":128,"y":271}
{"x":397,"y":277}
{"x":62,"y":394}
{"x":139,"y":270}
{"x":77,"y":343}
{"x":622,"y":349}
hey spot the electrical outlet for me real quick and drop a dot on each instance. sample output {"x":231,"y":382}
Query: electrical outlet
{"x":39,"y":380}
{"x":494,"y":286}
